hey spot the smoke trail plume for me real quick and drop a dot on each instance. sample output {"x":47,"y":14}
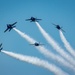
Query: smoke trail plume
{"x":67,"y":44}
{"x":30,"y":40}
{"x":44,"y":51}
{"x":36,"y":61}
{"x":55,"y":57}
{"x":55,"y":45}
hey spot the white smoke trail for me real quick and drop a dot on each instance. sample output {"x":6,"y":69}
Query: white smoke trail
{"x":25,"y":36}
{"x":44,"y":51}
{"x":55,"y":57}
{"x":55,"y":45}
{"x":67,"y":44}
{"x":36,"y":61}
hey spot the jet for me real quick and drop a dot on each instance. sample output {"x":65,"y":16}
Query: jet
{"x":10,"y":26}
{"x":37,"y":44}
{"x":1,"y":47}
{"x":32,"y":19}
{"x":58,"y":27}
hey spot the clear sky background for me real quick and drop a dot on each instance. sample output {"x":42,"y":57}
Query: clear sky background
{"x":60,"y":12}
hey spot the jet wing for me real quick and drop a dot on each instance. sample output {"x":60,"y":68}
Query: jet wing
{"x":62,"y":30}
{"x":0,"y":44}
{"x":28,"y":19}
{"x":1,"y":49}
{"x":38,"y":19}
{"x":6,"y":30}
{"x":14,"y":23}
{"x":54,"y":24}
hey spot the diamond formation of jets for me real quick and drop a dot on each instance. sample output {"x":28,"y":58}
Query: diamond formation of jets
{"x":58,"y":27}
{"x":1,"y":47}
{"x":37,"y":44}
{"x":10,"y":27}
{"x":32,"y":19}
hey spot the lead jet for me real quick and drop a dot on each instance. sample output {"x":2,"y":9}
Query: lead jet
{"x":58,"y":27}
{"x":10,"y":26}
{"x":1,"y":47}
{"x":37,"y":44}
{"x":32,"y":19}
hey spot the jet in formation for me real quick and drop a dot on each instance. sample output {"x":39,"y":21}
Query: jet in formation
{"x":32,"y":19}
{"x":58,"y":27}
{"x":10,"y":26}
{"x":1,"y":47}
{"x":37,"y":44}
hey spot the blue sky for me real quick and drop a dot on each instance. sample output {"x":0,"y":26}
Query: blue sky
{"x":60,"y":12}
